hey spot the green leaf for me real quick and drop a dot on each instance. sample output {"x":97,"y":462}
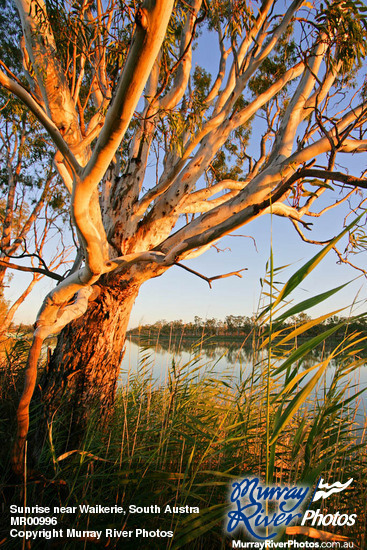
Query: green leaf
{"x":309,"y":266}
{"x":310,"y":302}
{"x":305,"y":348}
{"x":297,"y":401}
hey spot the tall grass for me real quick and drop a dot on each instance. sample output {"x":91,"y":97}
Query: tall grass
{"x":183,"y":441}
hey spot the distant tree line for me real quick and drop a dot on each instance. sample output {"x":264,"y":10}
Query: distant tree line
{"x":242,"y":326}
{"x":239,"y":326}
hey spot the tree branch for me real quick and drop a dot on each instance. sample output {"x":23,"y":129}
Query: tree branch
{"x":171,"y":99}
{"x":210,"y":279}
{"x":45,"y":272}
{"x":151,"y":23}
{"x":41,"y":116}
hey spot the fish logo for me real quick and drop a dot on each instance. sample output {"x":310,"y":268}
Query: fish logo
{"x":324,"y":490}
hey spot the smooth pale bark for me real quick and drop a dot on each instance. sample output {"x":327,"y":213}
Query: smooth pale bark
{"x":41,"y":48}
{"x":152,"y":20}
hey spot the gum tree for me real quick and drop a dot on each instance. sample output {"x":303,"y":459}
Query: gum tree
{"x":116,"y":89}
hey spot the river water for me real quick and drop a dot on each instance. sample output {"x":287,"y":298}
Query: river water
{"x":225,"y":361}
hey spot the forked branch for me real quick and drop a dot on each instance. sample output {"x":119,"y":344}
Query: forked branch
{"x":209,"y":280}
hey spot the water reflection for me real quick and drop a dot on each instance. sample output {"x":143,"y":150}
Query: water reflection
{"x":222,"y":356}
{"x":228,"y":352}
{"x":230,"y":362}
{"x":208,"y":349}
